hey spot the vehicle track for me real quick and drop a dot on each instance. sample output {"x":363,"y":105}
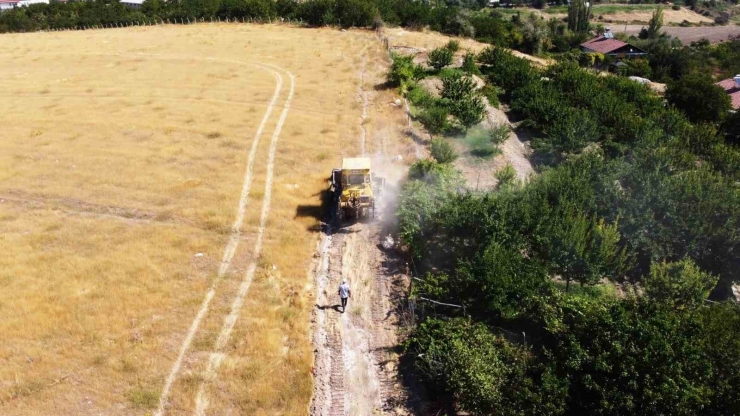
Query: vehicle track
{"x":228,"y":251}
{"x":217,"y":356}
{"x":339,"y":405}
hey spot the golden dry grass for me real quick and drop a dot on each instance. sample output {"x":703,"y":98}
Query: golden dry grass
{"x":122,"y":155}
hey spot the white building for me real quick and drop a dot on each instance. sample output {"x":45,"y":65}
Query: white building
{"x":132,"y":3}
{"x":11,"y":4}
{"x":8,"y":4}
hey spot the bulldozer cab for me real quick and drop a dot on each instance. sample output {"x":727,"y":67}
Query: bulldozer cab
{"x":355,"y":188}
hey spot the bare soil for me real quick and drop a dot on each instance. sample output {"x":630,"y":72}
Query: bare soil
{"x":670,"y":16}
{"x":714,"y":34}
{"x":356,"y":356}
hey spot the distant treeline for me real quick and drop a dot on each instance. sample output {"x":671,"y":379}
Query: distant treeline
{"x":347,"y":13}
{"x":530,"y":34}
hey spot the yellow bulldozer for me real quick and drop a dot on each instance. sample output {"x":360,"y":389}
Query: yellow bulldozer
{"x":355,"y":188}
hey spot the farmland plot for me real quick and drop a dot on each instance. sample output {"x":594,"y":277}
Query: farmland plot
{"x":158,"y":208}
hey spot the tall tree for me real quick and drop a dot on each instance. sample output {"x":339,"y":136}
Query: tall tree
{"x":579,"y":12}
{"x":656,"y":23}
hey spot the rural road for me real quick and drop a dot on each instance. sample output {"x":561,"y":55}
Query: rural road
{"x":687,"y":35}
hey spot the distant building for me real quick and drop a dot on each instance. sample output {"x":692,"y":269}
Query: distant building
{"x":607,"y":45}
{"x":132,"y":3}
{"x":11,"y":4}
{"x":8,"y":4}
{"x":732,"y":88}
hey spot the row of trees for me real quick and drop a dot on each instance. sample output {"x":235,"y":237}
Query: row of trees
{"x":530,"y":34}
{"x":636,"y":194}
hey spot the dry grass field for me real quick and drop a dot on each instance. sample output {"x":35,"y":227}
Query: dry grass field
{"x":122,"y":160}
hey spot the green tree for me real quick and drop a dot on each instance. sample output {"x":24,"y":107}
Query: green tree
{"x":468,"y":110}
{"x":679,"y":284}
{"x":579,"y":12}
{"x":656,"y":24}
{"x":572,"y":131}
{"x":464,"y":102}
{"x":699,"y":98}
{"x":628,"y":357}
{"x":439,"y":58}
{"x":469,"y":65}
{"x":484,"y":372}
{"x":434,"y":118}
{"x":403,"y":72}
{"x":456,"y":86}
{"x":584,"y":249}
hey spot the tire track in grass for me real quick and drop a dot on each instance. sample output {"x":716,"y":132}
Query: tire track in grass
{"x":217,"y":356}
{"x":230,"y":247}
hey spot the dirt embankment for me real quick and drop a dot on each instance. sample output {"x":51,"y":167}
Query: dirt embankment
{"x":420,"y":43}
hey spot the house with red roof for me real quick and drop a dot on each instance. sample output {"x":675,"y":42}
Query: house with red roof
{"x":732,"y":88}
{"x":608,"y":45}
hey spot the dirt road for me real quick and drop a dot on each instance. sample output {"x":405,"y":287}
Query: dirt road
{"x":355,"y":370}
{"x":687,"y":35}
{"x":356,"y":356}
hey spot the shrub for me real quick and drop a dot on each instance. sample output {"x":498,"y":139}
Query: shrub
{"x":679,"y":285}
{"x":505,"y":176}
{"x":403,"y":71}
{"x":434,"y":119}
{"x":676,"y":7}
{"x":439,"y":58}
{"x":418,"y":96}
{"x":442,"y":151}
{"x":479,"y":141}
{"x":499,"y":134}
{"x":469,"y":65}
{"x":453,"y":46}
{"x":492,"y":92}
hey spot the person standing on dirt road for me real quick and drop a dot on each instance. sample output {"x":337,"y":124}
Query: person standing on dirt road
{"x":344,"y":293}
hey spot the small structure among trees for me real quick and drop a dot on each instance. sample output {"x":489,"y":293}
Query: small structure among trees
{"x":732,"y":88}
{"x":608,"y":45}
